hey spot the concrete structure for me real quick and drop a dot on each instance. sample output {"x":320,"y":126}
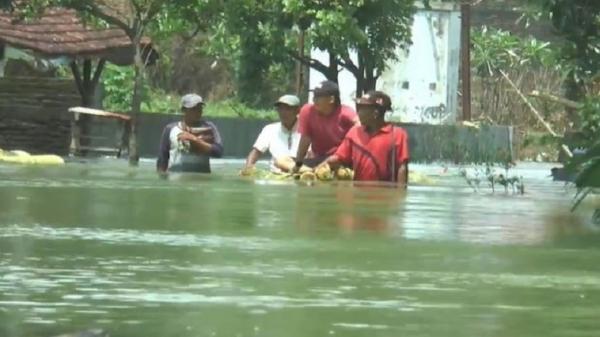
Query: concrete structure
{"x":427,"y":142}
{"x":423,"y":83}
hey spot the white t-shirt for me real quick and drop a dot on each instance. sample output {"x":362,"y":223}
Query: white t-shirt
{"x":279,"y":141}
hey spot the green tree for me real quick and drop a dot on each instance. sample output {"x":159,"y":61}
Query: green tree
{"x":375,"y":30}
{"x":578,"y":21}
{"x":134,"y":17}
{"x":267,"y":31}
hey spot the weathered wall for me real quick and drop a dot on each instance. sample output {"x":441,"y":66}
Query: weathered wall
{"x":34,"y":118}
{"x":33,"y":114}
{"x":427,"y":142}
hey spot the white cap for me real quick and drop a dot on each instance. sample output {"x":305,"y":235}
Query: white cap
{"x":291,"y":100}
{"x":191,"y":100}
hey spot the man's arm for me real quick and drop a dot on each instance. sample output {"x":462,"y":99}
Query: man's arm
{"x":303,"y":146}
{"x":253,"y":157}
{"x":198,"y":143}
{"x":333,"y":161}
{"x":162,"y":163}
{"x":402,"y":156}
{"x":216,"y":149}
{"x":205,"y":144}
{"x":305,"y":135}
{"x":342,"y":155}
{"x":402,"y":178}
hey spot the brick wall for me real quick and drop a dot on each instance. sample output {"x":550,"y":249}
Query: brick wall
{"x":33,"y":114}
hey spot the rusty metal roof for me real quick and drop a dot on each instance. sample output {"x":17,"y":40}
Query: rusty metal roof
{"x":60,"y":32}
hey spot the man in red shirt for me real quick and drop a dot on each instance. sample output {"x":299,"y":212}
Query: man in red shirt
{"x":323,"y":124}
{"x":376,"y":150}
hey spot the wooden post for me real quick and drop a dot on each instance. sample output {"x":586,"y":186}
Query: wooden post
{"x":465,"y":67}
{"x":74,"y":147}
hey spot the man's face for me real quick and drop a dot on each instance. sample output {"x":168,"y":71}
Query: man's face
{"x":193,"y":115}
{"x":324,"y":104}
{"x":287,"y":114}
{"x":366,"y":114}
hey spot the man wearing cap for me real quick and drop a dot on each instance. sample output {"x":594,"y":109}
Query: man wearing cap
{"x":280,"y":139}
{"x":376,"y":150}
{"x":187,"y":146}
{"x":323,"y":124}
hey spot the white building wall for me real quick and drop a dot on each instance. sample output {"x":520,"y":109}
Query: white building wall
{"x":423,"y":82}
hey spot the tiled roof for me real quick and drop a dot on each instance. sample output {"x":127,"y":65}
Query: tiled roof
{"x":60,"y":32}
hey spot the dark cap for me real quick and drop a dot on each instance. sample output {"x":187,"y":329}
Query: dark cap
{"x":326,"y":88}
{"x":380,"y":100}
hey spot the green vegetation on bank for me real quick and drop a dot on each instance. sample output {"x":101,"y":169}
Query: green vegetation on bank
{"x":118,"y":88}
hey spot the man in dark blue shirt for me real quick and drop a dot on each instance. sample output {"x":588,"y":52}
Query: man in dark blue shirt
{"x":187,"y":146}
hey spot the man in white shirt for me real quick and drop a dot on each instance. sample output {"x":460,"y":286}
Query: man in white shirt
{"x":281,"y":139}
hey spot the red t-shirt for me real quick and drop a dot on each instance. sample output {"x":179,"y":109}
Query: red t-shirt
{"x":325,"y":132}
{"x":370,"y":155}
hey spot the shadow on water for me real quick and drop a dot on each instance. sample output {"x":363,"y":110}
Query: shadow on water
{"x":215,"y":255}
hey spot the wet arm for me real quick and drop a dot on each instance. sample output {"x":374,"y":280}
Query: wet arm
{"x":162,"y":162}
{"x":402,"y":178}
{"x":305,"y":142}
{"x":253,"y":157}
{"x":334,"y":162}
{"x":202,"y":146}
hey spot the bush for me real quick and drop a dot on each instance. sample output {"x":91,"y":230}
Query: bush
{"x":118,"y":90}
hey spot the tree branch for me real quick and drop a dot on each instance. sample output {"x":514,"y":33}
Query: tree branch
{"x":77,"y":76}
{"x":98,"y":72}
{"x":92,"y":8}
{"x":317,"y":65}
{"x":348,"y":64}
{"x":552,"y":98}
{"x":536,"y":113}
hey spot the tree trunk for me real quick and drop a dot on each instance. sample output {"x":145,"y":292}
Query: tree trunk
{"x":136,"y":101}
{"x":360,"y":75}
{"x":332,"y":73}
{"x":573,"y":92}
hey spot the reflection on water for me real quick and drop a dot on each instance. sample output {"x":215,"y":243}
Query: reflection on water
{"x":104,"y":246}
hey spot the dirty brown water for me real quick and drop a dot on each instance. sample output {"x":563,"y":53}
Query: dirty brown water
{"x":104,"y":246}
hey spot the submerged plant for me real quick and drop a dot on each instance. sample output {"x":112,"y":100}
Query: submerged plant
{"x":587,"y":169}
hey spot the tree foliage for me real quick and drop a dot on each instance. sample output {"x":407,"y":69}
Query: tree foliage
{"x":578,"y":21}
{"x":375,"y":30}
{"x":266,"y":32}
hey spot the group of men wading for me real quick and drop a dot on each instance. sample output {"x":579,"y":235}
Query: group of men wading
{"x":322,"y":134}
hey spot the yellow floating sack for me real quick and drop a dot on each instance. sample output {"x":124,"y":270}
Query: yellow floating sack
{"x":22,"y":157}
{"x":420,"y":178}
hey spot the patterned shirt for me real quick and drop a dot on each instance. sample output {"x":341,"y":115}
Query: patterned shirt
{"x":177,"y":156}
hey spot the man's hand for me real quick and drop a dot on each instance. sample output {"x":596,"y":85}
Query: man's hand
{"x":297,"y":167}
{"x":207,"y":138}
{"x":248,"y":171}
{"x":186,"y":136}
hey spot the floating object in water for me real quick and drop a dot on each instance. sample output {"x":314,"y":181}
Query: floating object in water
{"x":323,"y":172}
{"x":344,"y":173}
{"x":308,"y":176}
{"x":561,"y":174}
{"x":473,"y":180}
{"x":22,"y":157}
{"x":420,"y":178}
{"x":87,"y":333}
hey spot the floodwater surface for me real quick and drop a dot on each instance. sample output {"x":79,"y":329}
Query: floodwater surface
{"x":104,"y":246}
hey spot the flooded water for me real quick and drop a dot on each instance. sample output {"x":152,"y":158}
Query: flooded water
{"x":105,"y":246}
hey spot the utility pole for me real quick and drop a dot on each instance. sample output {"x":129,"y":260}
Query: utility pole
{"x":465,"y":67}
